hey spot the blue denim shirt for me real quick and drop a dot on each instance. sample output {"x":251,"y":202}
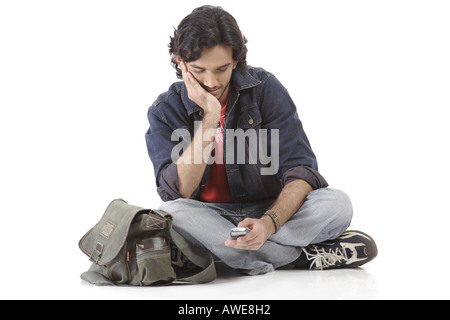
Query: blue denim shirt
{"x":257,"y":101}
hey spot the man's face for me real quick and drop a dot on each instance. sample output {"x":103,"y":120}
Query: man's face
{"x":213,"y":71}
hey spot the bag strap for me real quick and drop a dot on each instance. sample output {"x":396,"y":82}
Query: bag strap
{"x":198,"y":256}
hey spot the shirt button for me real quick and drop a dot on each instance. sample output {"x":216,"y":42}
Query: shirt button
{"x":250,"y":120}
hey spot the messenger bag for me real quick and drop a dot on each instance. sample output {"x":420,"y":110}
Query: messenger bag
{"x":136,"y":246}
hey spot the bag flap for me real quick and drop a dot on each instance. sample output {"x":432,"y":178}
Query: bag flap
{"x":104,"y":242}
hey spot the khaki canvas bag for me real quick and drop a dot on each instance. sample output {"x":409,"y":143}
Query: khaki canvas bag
{"x":135,"y":246}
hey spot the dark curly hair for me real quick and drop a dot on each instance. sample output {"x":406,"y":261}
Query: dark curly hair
{"x":205,"y":28}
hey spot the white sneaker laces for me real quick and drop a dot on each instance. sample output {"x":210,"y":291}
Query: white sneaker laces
{"x":325,"y":259}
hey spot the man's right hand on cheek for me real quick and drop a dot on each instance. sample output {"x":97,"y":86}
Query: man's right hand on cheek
{"x":206,"y":101}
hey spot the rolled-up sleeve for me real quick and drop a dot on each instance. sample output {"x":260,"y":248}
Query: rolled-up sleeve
{"x":297,"y":160}
{"x":159,"y":147}
{"x":313,"y":177}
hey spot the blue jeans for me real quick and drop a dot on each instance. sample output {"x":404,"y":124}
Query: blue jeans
{"x":325,"y":215}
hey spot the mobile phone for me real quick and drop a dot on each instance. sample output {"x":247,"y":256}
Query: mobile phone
{"x":239,"y":232}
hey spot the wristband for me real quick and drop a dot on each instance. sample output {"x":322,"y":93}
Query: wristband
{"x":275,"y":219}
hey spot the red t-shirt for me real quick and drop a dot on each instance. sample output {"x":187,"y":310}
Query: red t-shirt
{"x":217,"y":188}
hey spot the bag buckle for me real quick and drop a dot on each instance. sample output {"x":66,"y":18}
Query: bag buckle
{"x":95,"y":256}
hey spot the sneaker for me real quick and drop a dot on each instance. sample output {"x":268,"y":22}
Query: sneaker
{"x":352,"y":249}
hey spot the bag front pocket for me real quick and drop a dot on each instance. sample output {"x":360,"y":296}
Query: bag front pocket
{"x":154,"y":261}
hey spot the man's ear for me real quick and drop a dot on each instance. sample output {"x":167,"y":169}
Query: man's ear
{"x":178,"y":59}
{"x":235,"y":64}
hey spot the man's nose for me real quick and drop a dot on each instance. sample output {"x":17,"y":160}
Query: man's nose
{"x":210,"y":81}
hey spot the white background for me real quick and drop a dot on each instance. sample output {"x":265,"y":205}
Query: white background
{"x":371,"y":80}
